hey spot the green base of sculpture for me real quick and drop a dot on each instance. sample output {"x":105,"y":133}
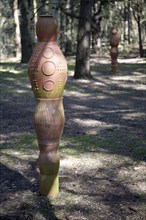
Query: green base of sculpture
{"x":49,"y":185}
{"x":114,"y":69}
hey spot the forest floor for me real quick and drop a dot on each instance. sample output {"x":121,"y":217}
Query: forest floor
{"x":103,"y":147}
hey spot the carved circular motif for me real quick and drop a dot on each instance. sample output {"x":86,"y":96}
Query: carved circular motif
{"x":48,"y":53}
{"x":48,"y":68}
{"x":48,"y":85}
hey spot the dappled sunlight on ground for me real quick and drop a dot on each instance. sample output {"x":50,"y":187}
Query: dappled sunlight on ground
{"x":102,"y":167}
{"x":107,"y":60}
{"x":132,"y":61}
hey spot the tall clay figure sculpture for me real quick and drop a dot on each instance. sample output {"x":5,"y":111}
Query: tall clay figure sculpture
{"x":114,"y":42}
{"x":47,"y":71}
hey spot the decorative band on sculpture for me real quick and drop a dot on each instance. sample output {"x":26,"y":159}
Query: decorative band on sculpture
{"x":48,"y":99}
{"x":44,"y":143}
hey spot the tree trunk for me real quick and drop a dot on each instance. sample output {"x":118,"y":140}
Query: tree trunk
{"x":96,"y":26}
{"x":82,"y":68}
{"x":27,"y":41}
{"x":125,"y":15}
{"x":35,"y":13}
{"x":129,"y":21}
{"x":17,"y":29}
{"x":73,"y":30}
{"x":42,"y":7}
{"x":68,"y":31}
{"x":138,"y":8}
{"x":62,"y":35}
{"x":141,"y":52}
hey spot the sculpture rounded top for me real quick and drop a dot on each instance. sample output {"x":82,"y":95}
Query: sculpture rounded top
{"x":46,"y":28}
{"x":114,"y":31}
{"x":114,"y":39}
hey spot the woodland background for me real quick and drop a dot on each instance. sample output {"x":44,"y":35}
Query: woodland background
{"x":18,"y":18}
{"x":103,"y":147}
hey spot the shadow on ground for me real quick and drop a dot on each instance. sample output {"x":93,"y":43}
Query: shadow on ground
{"x":103,"y":116}
{"x":16,"y":189}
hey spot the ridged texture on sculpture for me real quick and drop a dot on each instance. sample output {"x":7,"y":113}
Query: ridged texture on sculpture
{"x":114,"y":42}
{"x":48,"y":74}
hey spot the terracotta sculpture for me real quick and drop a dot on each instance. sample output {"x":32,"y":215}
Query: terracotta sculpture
{"x":114,"y":42}
{"x":47,"y":71}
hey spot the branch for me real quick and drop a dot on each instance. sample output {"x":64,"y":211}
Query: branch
{"x":72,"y":15}
{"x":42,"y":7}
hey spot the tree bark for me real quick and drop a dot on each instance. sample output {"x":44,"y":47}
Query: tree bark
{"x":129,"y":21}
{"x":96,"y":26}
{"x":138,"y":8}
{"x":34,"y":17}
{"x":68,"y":31}
{"x":62,"y":35}
{"x":125,"y":15}
{"x":27,"y":39}
{"x":140,"y":38}
{"x":73,"y":30}
{"x":17,"y":29}
{"x":82,"y":68}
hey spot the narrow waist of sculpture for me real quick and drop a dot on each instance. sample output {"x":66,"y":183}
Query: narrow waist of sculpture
{"x":48,"y":144}
{"x":47,"y":42}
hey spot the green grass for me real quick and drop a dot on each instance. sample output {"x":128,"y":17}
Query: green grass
{"x":81,"y":144}
{"x":74,"y":87}
{"x":24,"y":144}
{"x":133,"y":147}
{"x":14,"y":80}
{"x":71,"y":67}
{"x":13,"y":70}
{"x":27,"y":143}
{"x":70,"y":145}
{"x":101,"y":67}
